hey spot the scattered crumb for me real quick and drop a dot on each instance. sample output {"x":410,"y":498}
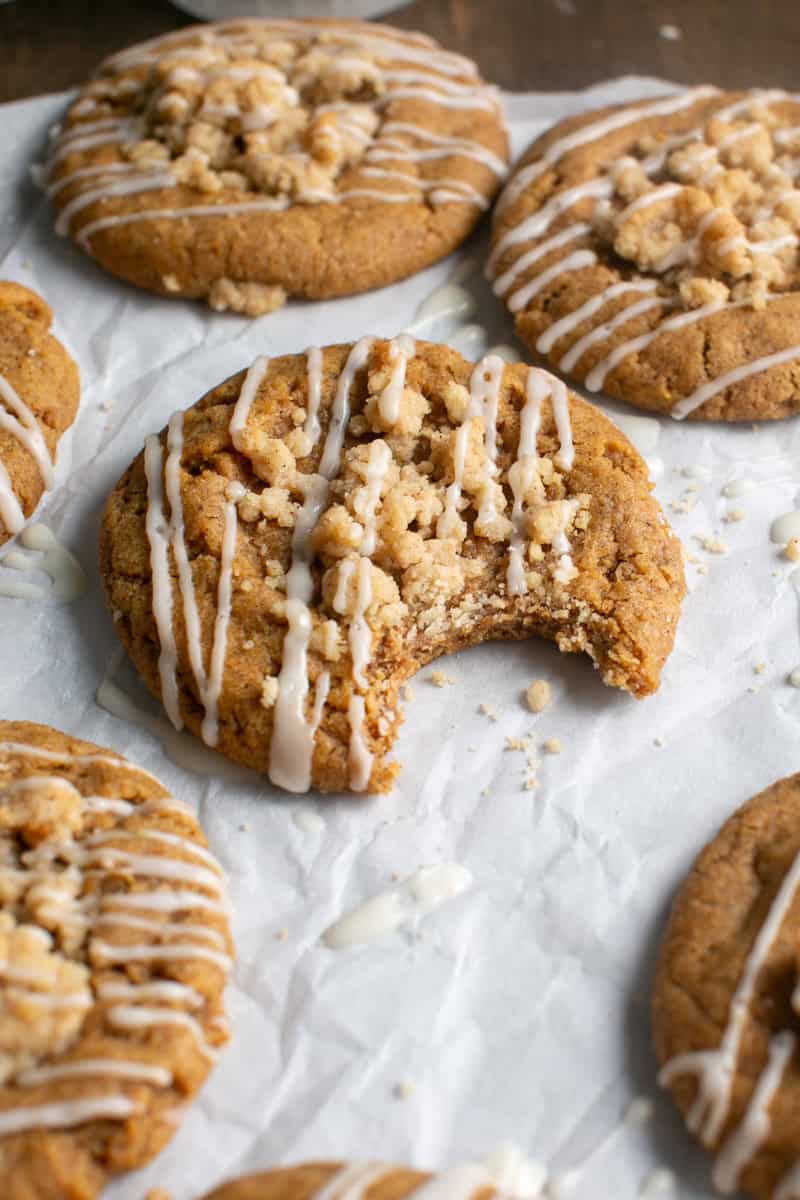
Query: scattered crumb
{"x":694,"y":559}
{"x":405,"y":1089}
{"x":530,"y":784}
{"x":171,"y":283}
{"x":658,"y":741}
{"x":714,"y":545}
{"x":759,"y":668}
{"x":488,"y":711}
{"x":685,"y":505}
{"x":702,"y":569}
{"x":552,"y":746}
{"x":670,"y":33}
{"x":158,"y":1194}
{"x":518,"y":743}
{"x":243,"y":827}
{"x":794,"y":678}
{"x":539,"y":695}
{"x":792,"y":550}
{"x":754,"y":690}
{"x":407,"y":692}
{"x":282,"y":935}
{"x":533,"y":762}
{"x":269,"y":691}
{"x":440,"y":679}
{"x":692,"y":487}
{"x":734,"y":514}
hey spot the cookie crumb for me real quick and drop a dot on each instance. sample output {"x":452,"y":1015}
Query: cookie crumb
{"x":488,"y":711}
{"x":734,"y":514}
{"x":407,"y":692}
{"x":171,"y":283}
{"x":269,"y":691}
{"x":243,"y":827}
{"x":158,"y":1194}
{"x":792,"y":550}
{"x":518,"y":743}
{"x":658,"y":741}
{"x":794,"y":678}
{"x":759,"y":668}
{"x":282,"y":935}
{"x":530,"y":784}
{"x":405,"y":1089}
{"x":247,"y":299}
{"x":714,"y":545}
{"x":670,"y":33}
{"x":552,"y":746}
{"x":440,"y":679}
{"x":539,"y":695}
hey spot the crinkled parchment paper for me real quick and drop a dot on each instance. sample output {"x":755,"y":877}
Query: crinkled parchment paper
{"x":519,"y":1011}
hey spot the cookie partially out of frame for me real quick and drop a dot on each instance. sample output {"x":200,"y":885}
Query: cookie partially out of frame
{"x":247,"y":160}
{"x":359,"y":1181}
{"x":114,"y":950}
{"x":39,"y":392}
{"x":726,"y":1003}
{"x":315,"y":530}
{"x":651,"y":251}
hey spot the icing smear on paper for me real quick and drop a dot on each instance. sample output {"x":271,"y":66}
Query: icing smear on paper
{"x":413,"y":897}
{"x":51,"y":558}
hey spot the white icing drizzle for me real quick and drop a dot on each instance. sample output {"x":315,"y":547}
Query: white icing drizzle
{"x":164,"y":901}
{"x":457,"y":1183}
{"x":292,"y":744}
{"x":159,"y":989}
{"x":420,"y":893}
{"x":11,"y":513}
{"x":148,"y":953}
{"x":314,"y":370}
{"x":789,"y":1186}
{"x":450,"y":300}
{"x":66,"y":1114}
{"x":29,"y":751}
{"x":596,"y":130}
{"x":21,"y":423}
{"x":137,"y":1016}
{"x":503,"y":282}
{"x":378,"y":463}
{"x":209,"y":683}
{"x":540,"y":221}
{"x":147,"y":181}
{"x":252,"y":382}
{"x":578,"y":261}
{"x":159,"y":927}
{"x":521,"y":474}
{"x":351,"y":1182}
{"x":571,"y":321}
{"x":559,"y":399}
{"x":715,"y":1069}
{"x":153,"y":866}
{"x":52,"y":559}
{"x":689,"y":403}
{"x":360,"y":637}
{"x":484,"y":389}
{"x":745,"y":1141}
{"x":659,"y":1182}
{"x":268,"y":204}
{"x":663,"y":192}
{"x":360,"y":757}
{"x":104,"y":1068}
{"x":401,"y":349}
{"x":440,"y":146}
{"x":601,"y":332}
{"x":156,"y":835}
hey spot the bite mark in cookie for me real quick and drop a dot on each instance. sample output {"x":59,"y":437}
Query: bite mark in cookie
{"x":324,"y":525}
{"x":726,"y":1004}
{"x":248,"y":160}
{"x":653,"y":251}
{"x":38,"y":401}
{"x":114,"y":950}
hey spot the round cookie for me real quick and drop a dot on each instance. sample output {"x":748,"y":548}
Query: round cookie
{"x":726,"y":1003}
{"x":367,"y":1181}
{"x":114,"y":951}
{"x":651,"y":251}
{"x":39,"y":392}
{"x":246,"y":160}
{"x":313,"y":531}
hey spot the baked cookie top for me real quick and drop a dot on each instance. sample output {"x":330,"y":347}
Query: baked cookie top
{"x":360,"y":1181}
{"x":39,"y":392}
{"x":651,"y":250}
{"x":114,"y":951}
{"x":316,"y":529}
{"x":245,"y":160}
{"x":726,"y":1003}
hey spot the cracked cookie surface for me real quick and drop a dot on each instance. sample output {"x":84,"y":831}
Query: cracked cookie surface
{"x":39,"y":391}
{"x":726,"y":1003}
{"x":249,"y":160}
{"x":114,"y":950}
{"x":313,"y":531}
{"x":651,"y":251}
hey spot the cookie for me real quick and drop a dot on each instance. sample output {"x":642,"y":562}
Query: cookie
{"x":651,"y":251}
{"x":359,"y":1181}
{"x":249,"y":160}
{"x":726,"y":1005}
{"x":114,"y":950}
{"x":39,"y":391}
{"x":316,"y":529}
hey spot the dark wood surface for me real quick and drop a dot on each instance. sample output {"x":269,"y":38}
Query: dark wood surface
{"x":47,"y":45}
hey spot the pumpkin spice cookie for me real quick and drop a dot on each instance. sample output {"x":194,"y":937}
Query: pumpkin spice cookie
{"x":726,"y":1002}
{"x":316,"y":529}
{"x":651,"y":251}
{"x":39,"y":391}
{"x":114,"y":950}
{"x":249,"y":160}
{"x":360,"y":1181}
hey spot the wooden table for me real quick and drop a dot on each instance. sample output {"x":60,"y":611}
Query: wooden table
{"x":520,"y":44}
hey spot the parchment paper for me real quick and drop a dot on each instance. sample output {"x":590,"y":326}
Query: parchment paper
{"x":520,"y":1010}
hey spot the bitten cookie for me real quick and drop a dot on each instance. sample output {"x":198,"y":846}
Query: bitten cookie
{"x":114,"y":950}
{"x":651,"y":251}
{"x":726,"y":998}
{"x":367,"y":1181}
{"x":39,"y":391}
{"x":247,"y":160}
{"x":315,"y":530}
